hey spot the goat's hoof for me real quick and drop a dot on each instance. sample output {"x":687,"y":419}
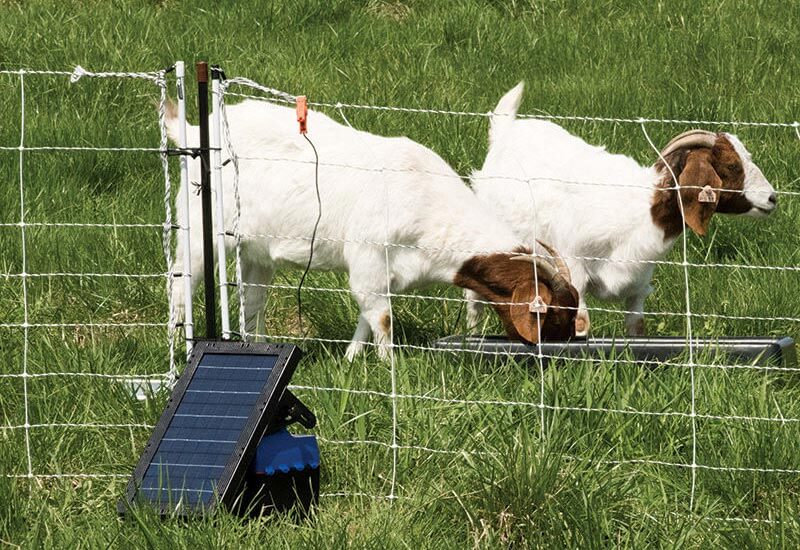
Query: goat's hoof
{"x":581,"y":328}
{"x":637,"y":329}
{"x":353,"y":351}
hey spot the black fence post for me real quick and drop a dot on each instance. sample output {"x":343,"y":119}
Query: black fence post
{"x":205,"y":192}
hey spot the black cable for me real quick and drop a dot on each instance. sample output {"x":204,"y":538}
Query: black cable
{"x":313,"y":234}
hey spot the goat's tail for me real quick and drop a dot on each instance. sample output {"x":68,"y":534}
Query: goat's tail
{"x":172,"y":123}
{"x":171,"y":120}
{"x":505,"y":113}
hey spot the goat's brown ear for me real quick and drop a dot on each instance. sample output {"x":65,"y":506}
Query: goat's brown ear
{"x":702,"y":196}
{"x":525,"y":320}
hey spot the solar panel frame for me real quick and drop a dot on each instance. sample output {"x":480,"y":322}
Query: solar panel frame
{"x":266,"y":406}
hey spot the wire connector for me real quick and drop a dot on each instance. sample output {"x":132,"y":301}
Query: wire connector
{"x":302,"y":113}
{"x":217,"y":72}
{"x":77,"y":74}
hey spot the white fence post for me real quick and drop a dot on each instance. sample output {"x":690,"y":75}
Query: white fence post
{"x":188,"y":321}
{"x":216,"y":183}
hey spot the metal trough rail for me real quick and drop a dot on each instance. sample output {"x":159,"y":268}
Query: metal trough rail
{"x":758,"y":351}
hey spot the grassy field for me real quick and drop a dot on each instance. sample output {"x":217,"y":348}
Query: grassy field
{"x":582,"y":471}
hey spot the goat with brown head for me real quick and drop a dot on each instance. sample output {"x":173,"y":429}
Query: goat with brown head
{"x":531,"y":292}
{"x":611,"y":217}
{"x":715,"y":174}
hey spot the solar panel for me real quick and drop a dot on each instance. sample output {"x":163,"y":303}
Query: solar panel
{"x":200,"y":450}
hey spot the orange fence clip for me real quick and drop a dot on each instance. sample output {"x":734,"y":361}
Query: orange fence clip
{"x":302,"y":113}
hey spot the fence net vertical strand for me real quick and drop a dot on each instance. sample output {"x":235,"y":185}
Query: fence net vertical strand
{"x":184,"y":207}
{"x":237,"y":217}
{"x":24,"y":274}
{"x":687,"y":300}
{"x":219,"y":214}
{"x":540,"y":354}
{"x":161,"y":82}
{"x":392,"y":359}
{"x":536,"y":305}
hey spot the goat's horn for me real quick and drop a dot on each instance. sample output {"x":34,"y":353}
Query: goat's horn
{"x":549,"y":270}
{"x":560,"y":264}
{"x":692,"y":138}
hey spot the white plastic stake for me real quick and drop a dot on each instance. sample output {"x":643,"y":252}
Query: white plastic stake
{"x":188,"y":321}
{"x":219,"y":219}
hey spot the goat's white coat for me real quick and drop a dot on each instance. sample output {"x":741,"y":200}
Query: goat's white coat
{"x":400,"y":193}
{"x":528,"y":166}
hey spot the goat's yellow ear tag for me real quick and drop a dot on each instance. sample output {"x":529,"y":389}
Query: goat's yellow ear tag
{"x":537,"y":305}
{"x":707,"y":194}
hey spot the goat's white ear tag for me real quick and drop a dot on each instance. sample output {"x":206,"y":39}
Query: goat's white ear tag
{"x":537,"y":305}
{"x":707,"y":195}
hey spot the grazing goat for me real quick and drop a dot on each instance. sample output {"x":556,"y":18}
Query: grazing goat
{"x":588,"y":203}
{"x":385,"y":200}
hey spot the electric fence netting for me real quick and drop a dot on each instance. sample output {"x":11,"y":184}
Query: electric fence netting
{"x":88,"y":254}
{"x":84,"y":315}
{"x":680,"y":430}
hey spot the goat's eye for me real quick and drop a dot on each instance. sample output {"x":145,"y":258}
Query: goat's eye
{"x":734,"y":167}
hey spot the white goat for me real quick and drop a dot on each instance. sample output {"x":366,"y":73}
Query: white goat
{"x":631,"y":214}
{"x":374,"y":190}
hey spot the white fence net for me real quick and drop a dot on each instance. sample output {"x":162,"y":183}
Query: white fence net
{"x":71,"y":317}
{"x":121,"y":327}
{"x":695,"y":359}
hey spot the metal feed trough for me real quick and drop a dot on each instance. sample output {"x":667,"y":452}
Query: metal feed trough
{"x":748,"y":350}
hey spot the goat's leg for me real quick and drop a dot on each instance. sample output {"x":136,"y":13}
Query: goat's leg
{"x":195,"y":267}
{"x":376,"y":313}
{"x":380,"y":320}
{"x":255,"y":278}
{"x":475,"y":307}
{"x":579,"y":281}
{"x":582,"y":323}
{"x":369,"y":285}
{"x":634,"y":319}
{"x":360,"y":336}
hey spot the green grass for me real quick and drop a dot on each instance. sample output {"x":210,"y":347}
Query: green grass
{"x":569,"y":475}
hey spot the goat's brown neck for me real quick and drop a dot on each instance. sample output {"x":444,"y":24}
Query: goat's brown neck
{"x":665,"y":209}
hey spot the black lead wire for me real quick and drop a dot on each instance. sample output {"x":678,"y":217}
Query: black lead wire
{"x":313,"y":234}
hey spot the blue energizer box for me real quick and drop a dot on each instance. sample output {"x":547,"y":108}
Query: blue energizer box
{"x":284,"y":473}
